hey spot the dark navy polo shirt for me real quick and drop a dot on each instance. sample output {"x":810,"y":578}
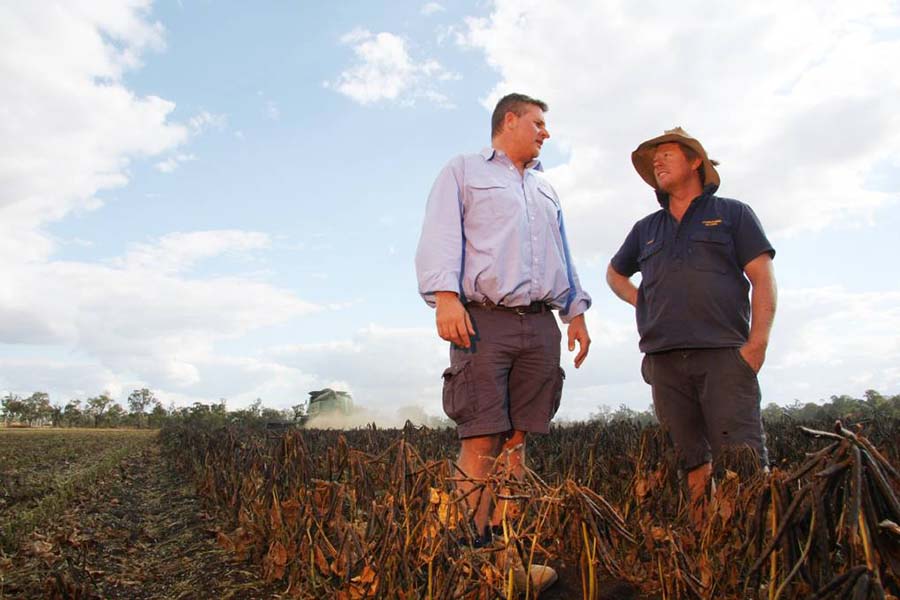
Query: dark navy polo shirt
{"x":693,"y":292}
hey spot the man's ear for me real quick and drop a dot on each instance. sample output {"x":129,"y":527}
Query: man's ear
{"x":698,"y":162}
{"x":509,"y":119}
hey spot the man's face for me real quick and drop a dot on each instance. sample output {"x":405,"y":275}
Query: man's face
{"x":671,"y":167}
{"x":527,"y":132}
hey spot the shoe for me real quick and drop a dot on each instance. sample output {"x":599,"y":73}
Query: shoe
{"x":536,"y":579}
{"x":541,"y":576}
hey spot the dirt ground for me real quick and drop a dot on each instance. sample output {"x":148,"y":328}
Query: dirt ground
{"x":139,"y":534}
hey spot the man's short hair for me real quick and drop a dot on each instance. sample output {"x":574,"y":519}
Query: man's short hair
{"x":514,"y":103}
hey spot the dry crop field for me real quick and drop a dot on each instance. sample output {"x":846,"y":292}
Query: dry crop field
{"x":41,"y":469}
{"x":370,"y":513}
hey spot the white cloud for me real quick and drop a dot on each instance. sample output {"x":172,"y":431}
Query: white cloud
{"x":205,"y":120}
{"x":173,"y":162}
{"x":796,"y":101}
{"x":832,"y":341}
{"x":385,"y":71}
{"x":176,"y":252}
{"x":384,"y":368}
{"x":70,"y":130}
{"x":431,"y":8}
{"x":139,"y":314}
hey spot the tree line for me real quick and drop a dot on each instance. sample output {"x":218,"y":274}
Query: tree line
{"x":145,"y":410}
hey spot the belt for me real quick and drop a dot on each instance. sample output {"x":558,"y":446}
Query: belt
{"x":529,"y":309}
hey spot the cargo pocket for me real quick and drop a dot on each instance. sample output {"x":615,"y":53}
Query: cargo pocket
{"x":459,"y":403}
{"x":557,"y":391}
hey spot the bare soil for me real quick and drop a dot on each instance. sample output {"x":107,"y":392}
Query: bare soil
{"x":140,"y":533}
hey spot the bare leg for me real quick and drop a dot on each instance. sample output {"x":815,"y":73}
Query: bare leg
{"x":512,"y":460}
{"x":476,"y":460}
{"x":698,"y":484}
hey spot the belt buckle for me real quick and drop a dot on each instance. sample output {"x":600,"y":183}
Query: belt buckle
{"x":520,"y":310}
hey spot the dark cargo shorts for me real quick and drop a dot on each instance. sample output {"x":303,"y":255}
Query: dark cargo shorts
{"x":708,"y":399}
{"x":509,"y":378}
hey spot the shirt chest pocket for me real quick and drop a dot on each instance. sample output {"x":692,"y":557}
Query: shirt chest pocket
{"x":548,"y":204}
{"x":491,"y":198}
{"x":711,"y":251}
{"x":650,"y":262}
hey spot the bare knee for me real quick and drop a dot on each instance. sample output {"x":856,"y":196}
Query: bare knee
{"x":486,"y":446}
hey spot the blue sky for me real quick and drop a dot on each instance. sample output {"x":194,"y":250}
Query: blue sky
{"x":219,"y":200}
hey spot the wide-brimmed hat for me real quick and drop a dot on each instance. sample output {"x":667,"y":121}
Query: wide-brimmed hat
{"x":642,"y":158}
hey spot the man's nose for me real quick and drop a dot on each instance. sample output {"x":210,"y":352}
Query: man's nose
{"x":545,"y":134}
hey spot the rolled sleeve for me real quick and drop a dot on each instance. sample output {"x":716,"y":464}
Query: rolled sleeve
{"x":439,"y":255}
{"x":749,"y":238}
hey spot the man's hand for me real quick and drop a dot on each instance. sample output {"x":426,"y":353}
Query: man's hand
{"x":453,"y":322}
{"x":754,"y":355}
{"x":578,"y":332}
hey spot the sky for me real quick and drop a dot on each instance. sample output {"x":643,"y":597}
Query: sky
{"x":223,"y":199}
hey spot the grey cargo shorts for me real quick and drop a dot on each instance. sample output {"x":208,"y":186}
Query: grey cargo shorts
{"x":708,"y":399}
{"x":509,"y":378}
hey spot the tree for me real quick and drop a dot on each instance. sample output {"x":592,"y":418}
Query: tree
{"x":13,"y":408}
{"x":97,"y":406}
{"x":38,"y":409}
{"x":602,"y":414}
{"x":72,"y":414}
{"x":158,"y":415}
{"x":138,"y":401}
{"x":115,"y":414}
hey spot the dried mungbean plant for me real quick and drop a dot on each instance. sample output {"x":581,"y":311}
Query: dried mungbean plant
{"x":374,"y":513}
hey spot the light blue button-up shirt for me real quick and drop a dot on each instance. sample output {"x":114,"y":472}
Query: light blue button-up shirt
{"x":493,"y":234}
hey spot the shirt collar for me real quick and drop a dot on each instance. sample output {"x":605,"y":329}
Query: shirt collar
{"x":663,"y":197}
{"x":490,"y":153}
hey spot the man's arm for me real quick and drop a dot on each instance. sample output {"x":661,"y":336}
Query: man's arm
{"x":763,"y":300}
{"x":439,"y":253}
{"x":439,"y":257}
{"x":579,"y":301}
{"x":621,"y":286}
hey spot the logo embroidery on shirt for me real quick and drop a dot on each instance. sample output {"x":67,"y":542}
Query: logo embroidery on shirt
{"x":712,"y":222}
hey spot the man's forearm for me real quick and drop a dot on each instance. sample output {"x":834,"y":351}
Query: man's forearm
{"x":621,"y":286}
{"x":763,"y":301}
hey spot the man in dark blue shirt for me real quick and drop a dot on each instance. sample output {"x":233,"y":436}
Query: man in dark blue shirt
{"x":702,"y":349}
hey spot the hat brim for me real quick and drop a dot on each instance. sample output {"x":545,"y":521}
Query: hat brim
{"x":642,"y":158}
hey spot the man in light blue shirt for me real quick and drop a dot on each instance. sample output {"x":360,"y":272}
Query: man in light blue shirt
{"x":494,"y":262}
